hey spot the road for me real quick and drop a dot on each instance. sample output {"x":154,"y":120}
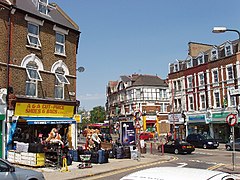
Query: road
{"x":202,"y":158}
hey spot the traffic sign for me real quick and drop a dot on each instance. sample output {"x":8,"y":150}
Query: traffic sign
{"x":231,"y":119}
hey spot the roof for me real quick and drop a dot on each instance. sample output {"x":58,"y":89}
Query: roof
{"x":125,"y":78}
{"x":149,"y":80}
{"x":56,"y":14}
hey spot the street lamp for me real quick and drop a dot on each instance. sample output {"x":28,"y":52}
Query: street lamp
{"x":222,"y":30}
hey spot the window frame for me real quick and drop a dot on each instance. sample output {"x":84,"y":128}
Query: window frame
{"x":215,"y":81}
{"x":37,"y":72}
{"x":217,"y":100}
{"x":214,"y":56}
{"x":190,"y":83}
{"x":200,"y":59}
{"x":45,"y":5}
{"x":201,"y":81}
{"x":39,"y":45}
{"x":202,"y":101}
{"x":190,"y":103}
{"x":31,"y":81}
{"x":63,"y":76}
{"x":60,"y":44}
{"x":228,"y":52}
{"x":229,"y":80}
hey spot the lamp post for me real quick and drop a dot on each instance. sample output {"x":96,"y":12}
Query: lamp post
{"x":222,"y":30}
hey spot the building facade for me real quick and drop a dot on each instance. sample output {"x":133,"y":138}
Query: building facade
{"x":201,"y":87}
{"x":38,"y":48}
{"x":146,"y":95}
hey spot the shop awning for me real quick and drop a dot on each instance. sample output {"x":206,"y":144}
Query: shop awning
{"x":48,"y":120}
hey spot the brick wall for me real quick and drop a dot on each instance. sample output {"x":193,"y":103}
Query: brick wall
{"x":46,"y":55}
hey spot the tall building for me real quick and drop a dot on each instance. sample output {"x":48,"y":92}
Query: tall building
{"x":38,"y":45}
{"x":201,"y":88}
{"x":143,"y":94}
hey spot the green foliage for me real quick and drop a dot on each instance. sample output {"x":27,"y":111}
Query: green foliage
{"x":98,"y":115}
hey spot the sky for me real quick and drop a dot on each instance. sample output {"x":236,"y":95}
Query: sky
{"x":123,"y":37}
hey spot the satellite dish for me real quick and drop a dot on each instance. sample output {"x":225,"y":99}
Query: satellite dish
{"x":80,"y":69}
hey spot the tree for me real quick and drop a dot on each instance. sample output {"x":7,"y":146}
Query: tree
{"x":98,"y":114}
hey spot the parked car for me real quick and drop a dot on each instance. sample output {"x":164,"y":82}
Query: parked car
{"x":229,"y":146}
{"x":167,"y":173}
{"x":145,"y":136}
{"x":9,"y":172}
{"x":178,"y":147}
{"x":202,"y":141}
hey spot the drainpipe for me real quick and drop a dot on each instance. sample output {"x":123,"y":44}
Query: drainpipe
{"x":9,"y":48}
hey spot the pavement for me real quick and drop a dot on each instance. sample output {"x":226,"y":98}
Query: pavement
{"x":97,"y":169}
{"x":121,"y":164}
{"x":151,"y":157}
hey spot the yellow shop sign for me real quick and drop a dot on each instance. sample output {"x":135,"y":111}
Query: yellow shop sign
{"x":43,"y":110}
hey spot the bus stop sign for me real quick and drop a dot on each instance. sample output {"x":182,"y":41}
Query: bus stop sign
{"x":231,"y":119}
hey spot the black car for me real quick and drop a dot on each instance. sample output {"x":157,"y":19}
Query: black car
{"x":202,"y":141}
{"x":178,"y":147}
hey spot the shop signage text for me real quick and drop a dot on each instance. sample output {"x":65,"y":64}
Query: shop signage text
{"x":43,"y":110}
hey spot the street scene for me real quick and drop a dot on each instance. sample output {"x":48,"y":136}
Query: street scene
{"x":123,"y":90}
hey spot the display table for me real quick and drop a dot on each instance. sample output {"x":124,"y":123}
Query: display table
{"x":26,"y":158}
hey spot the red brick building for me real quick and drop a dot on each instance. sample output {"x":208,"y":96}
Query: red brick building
{"x":38,"y":45}
{"x":201,"y":87}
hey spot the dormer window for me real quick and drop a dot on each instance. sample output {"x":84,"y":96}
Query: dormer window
{"x":200,"y":58}
{"x":176,"y":67}
{"x":228,"y":50}
{"x":214,"y":54}
{"x":43,"y":6}
{"x":189,"y":62}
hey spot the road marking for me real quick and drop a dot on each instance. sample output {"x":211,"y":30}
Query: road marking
{"x":216,"y":166}
{"x":199,"y":161}
{"x":93,"y":177}
{"x":182,"y":164}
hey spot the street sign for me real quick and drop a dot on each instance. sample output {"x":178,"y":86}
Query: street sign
{"x":231,"y":119}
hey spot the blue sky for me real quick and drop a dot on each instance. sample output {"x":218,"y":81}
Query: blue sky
{"x":122,"y":37}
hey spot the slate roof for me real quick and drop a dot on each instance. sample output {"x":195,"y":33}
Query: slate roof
{"x":56,"y":14}
{"x":149,"y":80}
{"x":125,"y":78}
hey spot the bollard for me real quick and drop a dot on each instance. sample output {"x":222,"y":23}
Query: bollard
{"x":151,"y":147}
{"x":162,"y":149}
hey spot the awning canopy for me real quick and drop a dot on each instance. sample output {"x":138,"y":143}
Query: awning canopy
{"x":48,"y":120}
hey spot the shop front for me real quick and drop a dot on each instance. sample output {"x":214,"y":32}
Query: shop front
{"x":196,"y":123}
{"x":220,"y":128}
{"x":45,"y":128}
{"x":177,"y":127}
{"x":151,"y":121}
